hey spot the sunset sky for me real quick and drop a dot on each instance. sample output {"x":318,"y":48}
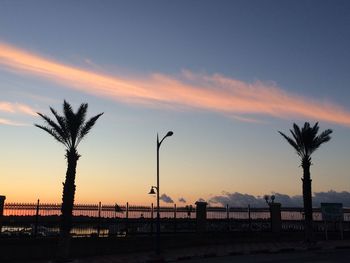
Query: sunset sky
{"x":224,"y":76}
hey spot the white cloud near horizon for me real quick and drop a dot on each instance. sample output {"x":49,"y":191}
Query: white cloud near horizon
{"x":182,"y":200}
{"x":188,"y":90}
{"x":237,"y":199}
{"x":166,"y":199}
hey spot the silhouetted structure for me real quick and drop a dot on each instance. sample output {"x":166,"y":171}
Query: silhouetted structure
{"x":275,"y":213}
{"x":169,"y":133}
{"x":201,"y":216}
{"x":69,"y":130}
{"x":276,"y":220}
{"x":305,"y":141}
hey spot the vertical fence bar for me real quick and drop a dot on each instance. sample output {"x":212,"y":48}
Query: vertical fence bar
{"x":228,"y":217}
{"x":175,"y":218}
{"x":227,"y":212}
{"x":249,"y":219}
{"x":99,"y":220}
{"x":127,"y":218}
{"x":127,"y":210}
{"x":36,"y":218}
{"x":152,"y":212}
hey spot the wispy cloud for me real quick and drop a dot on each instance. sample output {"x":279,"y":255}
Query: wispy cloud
{"x":14,"y":108}
{"x":10,"y":122}
{"x":21,"y":108}
{"x":187,"y":90}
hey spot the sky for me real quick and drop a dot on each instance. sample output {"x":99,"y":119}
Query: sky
{"x":224,"y":76}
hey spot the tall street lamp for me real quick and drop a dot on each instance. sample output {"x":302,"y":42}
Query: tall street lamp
{"x":170,"y":133}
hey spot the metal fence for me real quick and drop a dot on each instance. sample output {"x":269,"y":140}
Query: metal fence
{"x":103,"y":220}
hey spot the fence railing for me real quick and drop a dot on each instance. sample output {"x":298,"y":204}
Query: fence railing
{"x":136,"y":211}
{"x":99,"y":219}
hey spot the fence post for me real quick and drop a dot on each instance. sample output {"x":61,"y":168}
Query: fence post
{"x":175,"y":218}
{"x":249,"y":219}
{"x":127,"y":218}
{"x":2,"y":204}
{"x":36,"y":219}
{"x":99,"y":220}
{"x":275,"y":214}
{"x":201,"y":216}
{"x":152,"y":211}
{"x":228,"y":217}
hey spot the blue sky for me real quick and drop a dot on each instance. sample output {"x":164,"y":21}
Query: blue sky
{"x":225,"y":76}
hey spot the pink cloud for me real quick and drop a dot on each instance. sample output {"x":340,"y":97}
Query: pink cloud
{"x":18,"y":108}
{"x":187,"y":91}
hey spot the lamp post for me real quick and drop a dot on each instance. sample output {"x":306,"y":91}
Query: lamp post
{"x":270,"y":200}
{"x":170,"y":133}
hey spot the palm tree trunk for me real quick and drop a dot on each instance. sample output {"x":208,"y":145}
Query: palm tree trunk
{"x":67,"y":205}
{"x":307,"y":198}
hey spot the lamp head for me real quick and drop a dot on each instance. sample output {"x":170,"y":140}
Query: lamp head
{"x":152,"y":192}
{"x":170,"y":133}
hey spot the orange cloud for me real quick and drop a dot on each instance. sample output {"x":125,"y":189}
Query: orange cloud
{"x":207,"y":92}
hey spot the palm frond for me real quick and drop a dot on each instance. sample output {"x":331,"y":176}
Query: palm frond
{"x":309,"y":135}
{"x":306,"y":140}
{"x":67,"y":109}
{"x":68,"y":114}
{"x":87,"y":127}
{"x":81,"y":112}
{"x":297,"y":130}
{"x":297,"y":134}
{"x":52,"y":124}
{"x":53,"y":133}
{"x":80,"y":116}
{"x":70,"y":122}
{"x":291,"y":142}
{"x":60,"y":119}
{"x":315,"y":129}
{"x":62,"y":123}
{"x":297,"y":140}
{"x":70,"y":127}
{"x":322,"y":138}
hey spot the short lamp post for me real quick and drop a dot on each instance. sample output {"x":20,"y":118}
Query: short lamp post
{"x":170,"y":133}
{"x":270,"y":200}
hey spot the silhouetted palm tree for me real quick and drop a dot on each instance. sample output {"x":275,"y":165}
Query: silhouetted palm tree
{"x":69,"y":130}
{"x":305,"y":141}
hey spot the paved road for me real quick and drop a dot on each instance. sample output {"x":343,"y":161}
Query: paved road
{"x":267,"y":252}
{"x":322,"y":256}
